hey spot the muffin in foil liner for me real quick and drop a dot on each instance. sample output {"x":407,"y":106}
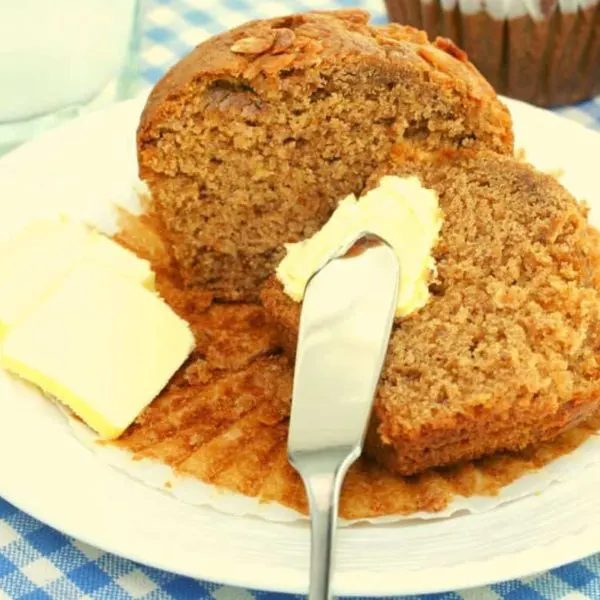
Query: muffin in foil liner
{"x":546,"y":52}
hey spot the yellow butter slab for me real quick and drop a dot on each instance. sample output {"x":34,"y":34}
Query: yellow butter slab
{"x":100,"y":343}
{"x":32,"y":262}
{"x":35,"y":260}
{"x":107,"y":253}
{"x":79,"y":406}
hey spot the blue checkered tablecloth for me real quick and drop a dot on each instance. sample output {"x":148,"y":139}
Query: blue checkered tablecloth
{"x":39,"y":563}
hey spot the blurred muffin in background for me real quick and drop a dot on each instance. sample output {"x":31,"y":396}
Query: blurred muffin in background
{"x":546,"y":52}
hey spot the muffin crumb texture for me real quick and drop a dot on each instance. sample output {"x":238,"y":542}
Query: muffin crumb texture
{"x":504,"y":354}
{"x":302,"y":110}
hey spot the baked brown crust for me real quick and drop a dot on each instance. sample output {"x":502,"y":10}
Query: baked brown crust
{"x":504,"y":355}
{"x":251,"y":140}
{"x":341,"y":35}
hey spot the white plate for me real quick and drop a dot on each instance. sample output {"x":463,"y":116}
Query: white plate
{"x":89,"y":163}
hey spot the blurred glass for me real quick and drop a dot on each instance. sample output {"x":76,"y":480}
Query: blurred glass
{"x":61,"y":57}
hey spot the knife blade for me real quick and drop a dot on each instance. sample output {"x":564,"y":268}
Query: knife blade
{"x":345,"y":326}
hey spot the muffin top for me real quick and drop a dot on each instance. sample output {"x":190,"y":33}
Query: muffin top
{"x":251,"y":140}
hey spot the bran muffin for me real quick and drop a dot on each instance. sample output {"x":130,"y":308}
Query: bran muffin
{"x":546,"y":52}
{"x":504,"y":355}
{"x":250,"y":141}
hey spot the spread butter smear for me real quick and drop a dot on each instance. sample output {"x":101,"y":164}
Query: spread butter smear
{"x":402,"y":212}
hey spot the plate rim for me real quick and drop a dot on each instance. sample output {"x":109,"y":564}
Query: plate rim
{"x":532,"y":560}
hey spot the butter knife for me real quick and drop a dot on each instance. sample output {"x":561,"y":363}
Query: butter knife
{"x":345,"y":326}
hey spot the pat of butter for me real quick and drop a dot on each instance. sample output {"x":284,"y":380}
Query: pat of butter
{"x":44,"y":252}
{"x":402,"y":212}
{"x":100,"y":343}
{"x":105,"y":252}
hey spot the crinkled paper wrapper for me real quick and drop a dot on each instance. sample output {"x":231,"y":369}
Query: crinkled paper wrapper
{"x":217,"y":435}
{"x":545,"y":53}
{"x":193,"y":491}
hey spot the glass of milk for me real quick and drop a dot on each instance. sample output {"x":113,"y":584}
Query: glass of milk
{"x":61,"y":57}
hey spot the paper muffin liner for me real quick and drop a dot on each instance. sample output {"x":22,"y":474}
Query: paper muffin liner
{"x":527,"y":480}
{"x":546,"y":52}
{"x":217,"y":434}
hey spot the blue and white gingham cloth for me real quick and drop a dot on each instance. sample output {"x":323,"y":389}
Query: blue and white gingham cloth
{"x":39,"y":563}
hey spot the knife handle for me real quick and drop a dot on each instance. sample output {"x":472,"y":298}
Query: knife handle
{"x":322,"y":474}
